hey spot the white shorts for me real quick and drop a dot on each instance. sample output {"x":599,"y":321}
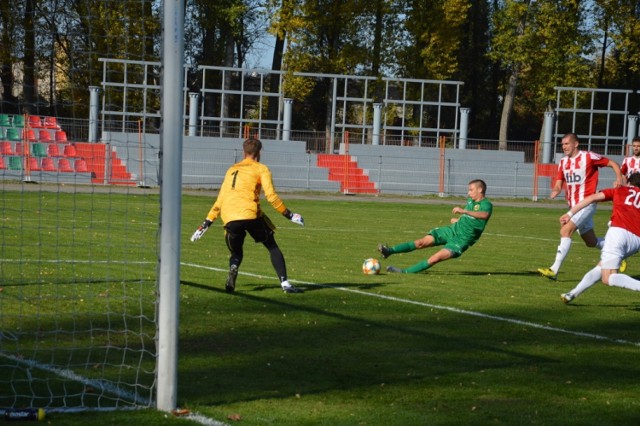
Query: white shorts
{"x":584,"y":218}
{"x":618,"y":244}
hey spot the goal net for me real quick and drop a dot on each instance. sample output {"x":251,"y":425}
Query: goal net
{"x":80,"y":230}
{"x":77,"y":307}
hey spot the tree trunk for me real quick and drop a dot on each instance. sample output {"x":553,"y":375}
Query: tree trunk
{"x":228,"y":84}
{"x":29,"y":82}
{"x":274,"y":84}
{"x":603,"y":55}
{"x":378,"y":93}
{"x":507,"y":108}
{"x":509,"y":97}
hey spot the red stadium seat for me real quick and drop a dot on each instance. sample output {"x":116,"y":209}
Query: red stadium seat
{"x":6,"y":148}
{"x":51,"y":123}
{"x":19,"y":148}
{"x":69,"y":150}
{"x":34,"y":164}
{"x":61,"y":136}
{"x":2,"y":165}
{"x":53,"y":150}
{"x":64,"y":165}
{"x":30,"y":135}
{"x":81,"y":166}
{"x":47,"y":164}
{"x":44,"y":135}
{"x":35,"y":121}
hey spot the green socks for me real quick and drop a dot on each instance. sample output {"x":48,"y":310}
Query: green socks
{"x":403,"y":247}
{"x":418,"y":267}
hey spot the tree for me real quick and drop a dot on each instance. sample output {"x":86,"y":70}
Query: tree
{"x":8,"y":24}
{"x":540,"y":44}
{"x":436,"y":30}
{"x":479,"y":74}
{"x":619,"y":59}
{"x":323,"y":37}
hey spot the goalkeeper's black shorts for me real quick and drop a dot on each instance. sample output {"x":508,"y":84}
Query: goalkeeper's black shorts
{"x":260,"y":228}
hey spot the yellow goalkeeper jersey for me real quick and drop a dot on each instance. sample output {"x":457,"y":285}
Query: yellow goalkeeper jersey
{"x":239,"y":196}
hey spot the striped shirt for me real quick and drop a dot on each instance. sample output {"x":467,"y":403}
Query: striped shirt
{"x":580,"y":174}
{"x":630,"y":165}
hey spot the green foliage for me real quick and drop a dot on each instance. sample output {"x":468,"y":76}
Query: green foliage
{"x":619,"y":22}
{"x":437,"y":29}
{"x":323,"y":36}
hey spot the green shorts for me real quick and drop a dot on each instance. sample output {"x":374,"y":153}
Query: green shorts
{"x":456,"y":244}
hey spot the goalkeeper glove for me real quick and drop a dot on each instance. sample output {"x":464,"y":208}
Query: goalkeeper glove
{"x":297,"y":219}
{"x":293,"y":217}
{"x":201,"y":230}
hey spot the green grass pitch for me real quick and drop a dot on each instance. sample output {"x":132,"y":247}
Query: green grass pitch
{"x":477,"y":340}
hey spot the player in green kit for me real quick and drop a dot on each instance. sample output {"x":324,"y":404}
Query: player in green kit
{"x":456,"y":238}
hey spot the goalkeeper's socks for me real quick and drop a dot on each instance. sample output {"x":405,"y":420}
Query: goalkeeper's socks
{"x":403,"y":247}
{"x":418,"y":267}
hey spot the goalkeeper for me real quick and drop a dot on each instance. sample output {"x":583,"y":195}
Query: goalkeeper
{"x":238,"y":204}
{"x":456,"y":238}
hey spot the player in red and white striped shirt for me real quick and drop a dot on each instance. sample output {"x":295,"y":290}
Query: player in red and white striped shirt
{"x":621,"y":241}
{"x":632,"y":164}
{"x":579,"y":171}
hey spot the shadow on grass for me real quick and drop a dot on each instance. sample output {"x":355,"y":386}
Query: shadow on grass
{"x":317,"y":349}
{"x":307,"y":287}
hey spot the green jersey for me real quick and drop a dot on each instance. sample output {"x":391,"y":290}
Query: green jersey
{"x":470,"y":227}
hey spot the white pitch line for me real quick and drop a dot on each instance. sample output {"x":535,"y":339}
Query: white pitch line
{"x":444,"y":308}
{"x":103,"y":385}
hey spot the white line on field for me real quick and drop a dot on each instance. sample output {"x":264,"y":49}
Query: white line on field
{"x":444,"y":308}
{"x":102,"y":385}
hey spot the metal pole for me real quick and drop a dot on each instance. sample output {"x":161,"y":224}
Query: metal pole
{"x":377,"y":120}
{"x":633,"y":128}
{"x":332,"y":137}
{"x":171,"y":203}
{"x":94,"y":106}
{"x":286,"y":125}
{"x":548,"y":137}
{"x":464,"y":127}
{"x":193,"y":113}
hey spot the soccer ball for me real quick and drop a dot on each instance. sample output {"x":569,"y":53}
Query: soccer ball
{"x":371,"y":266}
